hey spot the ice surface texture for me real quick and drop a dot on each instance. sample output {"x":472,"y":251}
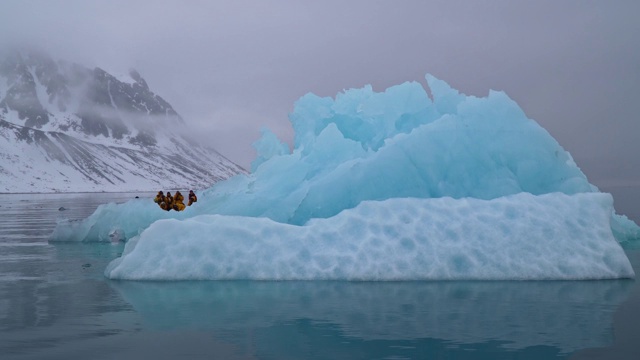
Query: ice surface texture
{"x":368,"y":146}
{"x":517,"y":237}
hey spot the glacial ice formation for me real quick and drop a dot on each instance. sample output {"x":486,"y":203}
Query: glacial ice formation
{"x":384,"y":153}
{"x":516,"y":237}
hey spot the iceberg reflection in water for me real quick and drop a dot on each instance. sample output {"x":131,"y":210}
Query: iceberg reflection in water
{"x":567,"y":316}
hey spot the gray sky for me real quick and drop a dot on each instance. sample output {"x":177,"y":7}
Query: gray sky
{"x":232,"y":67}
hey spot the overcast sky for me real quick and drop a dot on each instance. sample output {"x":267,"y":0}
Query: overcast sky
{"x":232,"y":67}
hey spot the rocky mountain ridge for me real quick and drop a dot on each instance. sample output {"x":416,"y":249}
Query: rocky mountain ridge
{"x":65,"y":128}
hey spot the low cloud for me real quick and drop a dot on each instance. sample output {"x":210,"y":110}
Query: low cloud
{"x":231,"y":68}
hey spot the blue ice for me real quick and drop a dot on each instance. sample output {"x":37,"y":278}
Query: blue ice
{"x":384,"y":186}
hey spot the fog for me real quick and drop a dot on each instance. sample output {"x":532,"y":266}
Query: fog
{"x":230,"y":68}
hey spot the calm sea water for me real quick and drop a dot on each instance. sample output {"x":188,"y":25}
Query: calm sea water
{"x":56,"y":304}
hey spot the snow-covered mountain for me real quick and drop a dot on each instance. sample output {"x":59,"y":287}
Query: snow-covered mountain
{"x":68,"y":128}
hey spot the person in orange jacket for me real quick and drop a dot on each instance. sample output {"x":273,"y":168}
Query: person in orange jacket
{"x":160,"y":200}
{"x":168,"y":201}
{"x":178,"y":202}
{"x":192,"y":197}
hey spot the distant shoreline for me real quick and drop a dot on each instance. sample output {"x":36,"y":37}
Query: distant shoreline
{"x":95,"y":192}
{"x":78,"y":192}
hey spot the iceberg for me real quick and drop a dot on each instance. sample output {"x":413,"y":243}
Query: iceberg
{"x":517,"y":237}
{"x":397,"y":185}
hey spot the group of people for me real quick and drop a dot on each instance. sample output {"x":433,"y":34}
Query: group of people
{"x":169,"y":202}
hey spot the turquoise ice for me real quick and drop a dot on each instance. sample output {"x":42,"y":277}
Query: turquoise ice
{"x":511,"y":202}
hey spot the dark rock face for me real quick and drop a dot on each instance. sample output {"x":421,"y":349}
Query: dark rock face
{"x":106,"y":105}
{"x":60,"y":107}
{"x":21,"y":95}
{"x":46,"y":70}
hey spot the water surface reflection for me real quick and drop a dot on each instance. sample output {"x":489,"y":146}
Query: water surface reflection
{"x":56,"y":304}
{"x":516,"y":315}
